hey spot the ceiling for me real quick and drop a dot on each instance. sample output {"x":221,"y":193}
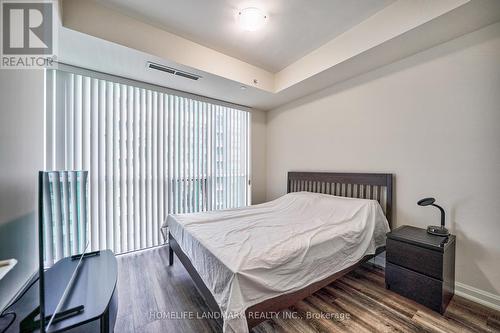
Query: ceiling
{"x":292,"y":30}
{"x":103,"y":38}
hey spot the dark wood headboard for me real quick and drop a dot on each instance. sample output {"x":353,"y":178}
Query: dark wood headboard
{"x":375,"y":186}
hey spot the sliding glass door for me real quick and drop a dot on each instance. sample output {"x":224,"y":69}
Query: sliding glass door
{"x":150,"y":152}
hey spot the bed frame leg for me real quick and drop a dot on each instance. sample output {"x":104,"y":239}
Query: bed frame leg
{"x":170,"y":256}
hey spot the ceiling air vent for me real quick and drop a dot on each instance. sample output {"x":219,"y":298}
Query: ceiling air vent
{"x":173,"y":71}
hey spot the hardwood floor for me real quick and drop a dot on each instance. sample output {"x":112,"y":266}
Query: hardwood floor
{"x":154,"y":297}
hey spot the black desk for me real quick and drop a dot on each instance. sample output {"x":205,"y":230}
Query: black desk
{"x":94,"y":287}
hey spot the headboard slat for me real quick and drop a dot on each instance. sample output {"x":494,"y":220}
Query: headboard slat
{"x":355,"y":185}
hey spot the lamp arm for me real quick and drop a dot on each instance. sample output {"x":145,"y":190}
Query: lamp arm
{"x":442,"y":213}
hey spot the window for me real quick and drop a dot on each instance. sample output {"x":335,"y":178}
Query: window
{"x":149,"y":151}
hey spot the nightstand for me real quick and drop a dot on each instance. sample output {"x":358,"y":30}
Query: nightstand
{"x":421,"y":266}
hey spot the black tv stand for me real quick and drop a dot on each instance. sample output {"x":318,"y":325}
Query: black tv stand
{"x":91,"y":303}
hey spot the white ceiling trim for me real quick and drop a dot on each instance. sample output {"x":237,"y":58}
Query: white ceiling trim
{"x":293,"y":29}
{"x":120,"y":54}
{"x":395,"y":20}
{"x":97,"y":20}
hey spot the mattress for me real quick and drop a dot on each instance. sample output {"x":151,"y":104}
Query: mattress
{"x":251,"y":254}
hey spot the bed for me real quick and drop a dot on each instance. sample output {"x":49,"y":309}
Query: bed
{"x":251,"y":262}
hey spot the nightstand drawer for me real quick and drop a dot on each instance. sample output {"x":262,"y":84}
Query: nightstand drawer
{"x":415,"y":258}
{"x":418,"y":287}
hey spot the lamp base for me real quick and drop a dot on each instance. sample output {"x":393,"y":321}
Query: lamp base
{"x":437,"y":230}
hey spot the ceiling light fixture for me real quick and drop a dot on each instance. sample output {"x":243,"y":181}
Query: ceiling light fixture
{"x":251,"y":19}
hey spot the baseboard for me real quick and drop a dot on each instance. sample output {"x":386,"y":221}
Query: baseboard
{"x":477,"y":295}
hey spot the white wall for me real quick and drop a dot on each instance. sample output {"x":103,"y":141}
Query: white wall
{"x":21,"y":156}
{"x":433,"y":120}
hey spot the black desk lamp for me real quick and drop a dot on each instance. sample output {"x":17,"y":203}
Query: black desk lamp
{"x":434,"y":229}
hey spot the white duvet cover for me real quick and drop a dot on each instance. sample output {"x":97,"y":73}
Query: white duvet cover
{"x":251,"y":254}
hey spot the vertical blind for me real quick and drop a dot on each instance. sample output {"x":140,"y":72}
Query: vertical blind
{"x":65,"y":214}
{"x":149,"y":152}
